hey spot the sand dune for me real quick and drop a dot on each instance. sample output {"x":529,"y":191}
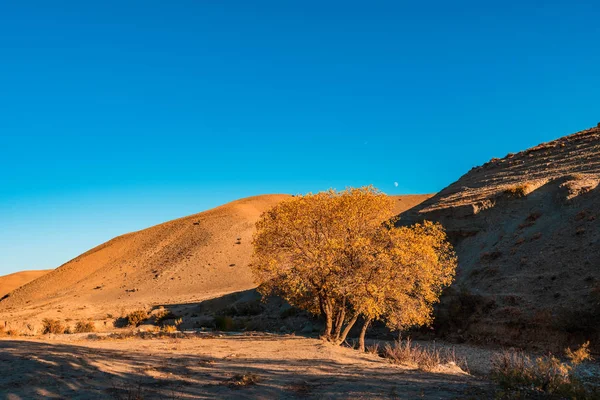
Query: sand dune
{"x":10,"y":282}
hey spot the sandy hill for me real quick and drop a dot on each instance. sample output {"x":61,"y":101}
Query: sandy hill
{"x":10,"y":282}
{"x":194,"y":258}
{"x":527,"y":232}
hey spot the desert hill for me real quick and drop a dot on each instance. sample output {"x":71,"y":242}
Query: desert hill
{"x":194,"y":258}
{"x":10,"y":282}
{"x":527,"y":233}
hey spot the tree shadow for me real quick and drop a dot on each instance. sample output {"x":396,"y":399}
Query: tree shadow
{"x":35,"y":370}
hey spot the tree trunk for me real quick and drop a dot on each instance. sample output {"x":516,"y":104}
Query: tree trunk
{"x":339,"y":323}
{"x":363,"y":332}
{"x":351,"y":323}
{"x":328,"y":325}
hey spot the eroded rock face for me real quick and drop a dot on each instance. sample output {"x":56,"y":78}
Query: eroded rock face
{"x":526,"y":229}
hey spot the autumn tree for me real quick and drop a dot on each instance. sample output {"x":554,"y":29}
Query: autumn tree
{"x":337,"y":254}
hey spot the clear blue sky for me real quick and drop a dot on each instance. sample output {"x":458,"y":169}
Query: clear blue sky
{"x":117,"y":115}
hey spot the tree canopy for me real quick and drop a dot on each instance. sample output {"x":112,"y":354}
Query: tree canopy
{"x":338,"y":254}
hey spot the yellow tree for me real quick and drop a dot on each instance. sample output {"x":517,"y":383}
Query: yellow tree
{"x":402,"y":275}
{"x":332,"y":254}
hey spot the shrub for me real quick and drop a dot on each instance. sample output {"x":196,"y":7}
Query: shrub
{"x":12,"y":332}
{"x":516,"y":371}
{"x":172,"y":328}
{"x":52,"y":326}
{"x":426,"y":359}
{"x":517,"y":191}
{"x":135,"y":318}
{"x":242,"y":380}
{"x":168,"y":329}
{"x":373,"y":349}
{"x":580,"y":355}
{"x":85,"y":326}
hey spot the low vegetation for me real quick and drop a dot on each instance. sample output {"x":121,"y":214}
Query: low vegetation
{"x":517,"y":191}
{"x":405,"y":352}
{"x":52,"y":326}
{"x":136,"y":318}
{"x":521,"y":376}
{"x":332,"y":254}
{"x":242,"y":380}
{"x":171,"y":328}
{"x":85,"y":326}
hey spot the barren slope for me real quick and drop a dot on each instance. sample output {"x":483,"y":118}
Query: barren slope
{"x":185,"y":260}
{"x":527,"y":232}
{"x":10,"y":282}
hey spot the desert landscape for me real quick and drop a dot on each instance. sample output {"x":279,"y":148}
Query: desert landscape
{"x":299,"y":200}
{"x":193,"y":276}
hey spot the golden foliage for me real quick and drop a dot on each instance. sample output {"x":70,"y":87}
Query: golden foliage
{"x":333,"y":254}
{"x":580,"y":355}
{"x":135,"y":318}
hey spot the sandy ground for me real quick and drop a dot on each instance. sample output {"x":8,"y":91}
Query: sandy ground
{"x":285,"y":366}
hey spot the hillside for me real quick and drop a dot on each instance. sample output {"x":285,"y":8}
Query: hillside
{"x":10,"y":282}
{"x":186,"y":260}
{"x":527,"y":233}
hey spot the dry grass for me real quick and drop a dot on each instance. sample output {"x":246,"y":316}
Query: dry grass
{"x":172,"y":328}
{"x":523,"y":376}
{"x":405,"y":352}
{"x":580,"y":355}
{"x":52,"y":326}
{"x":517,"y":191}
{"x":243,"y":380}
{"x":85,"y":326}
{"x":136,"y":317}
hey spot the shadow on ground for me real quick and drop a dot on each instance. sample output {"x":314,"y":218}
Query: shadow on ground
{"x":36,"y":370}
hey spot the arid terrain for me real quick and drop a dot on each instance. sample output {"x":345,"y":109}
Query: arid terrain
{"x":232,"y":367}
{"x":10,"y":282}
{"x":184,"y":261}
{"x":526,"y":231}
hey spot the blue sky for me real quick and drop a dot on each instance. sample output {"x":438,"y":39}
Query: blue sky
{"x":118,"y":115}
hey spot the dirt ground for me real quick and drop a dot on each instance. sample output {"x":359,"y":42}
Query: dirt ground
{"x":236,"y":367}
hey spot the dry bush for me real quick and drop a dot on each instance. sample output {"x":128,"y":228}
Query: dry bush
{"x":515,"y":371}
{"x":12,"y":332}
{"x":242,"y":380}
{"x":136,"y":317}
{"x":517,"y":191}
{"x":426,"y":359}
{"x":172,"y":328}
{"x":163,"y":315}
{"x":52,"y":326}
{"x":168,"y":329}
{"x":85,"y":326}
{"x":373,"y":349}
{"x":580,"y":355}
